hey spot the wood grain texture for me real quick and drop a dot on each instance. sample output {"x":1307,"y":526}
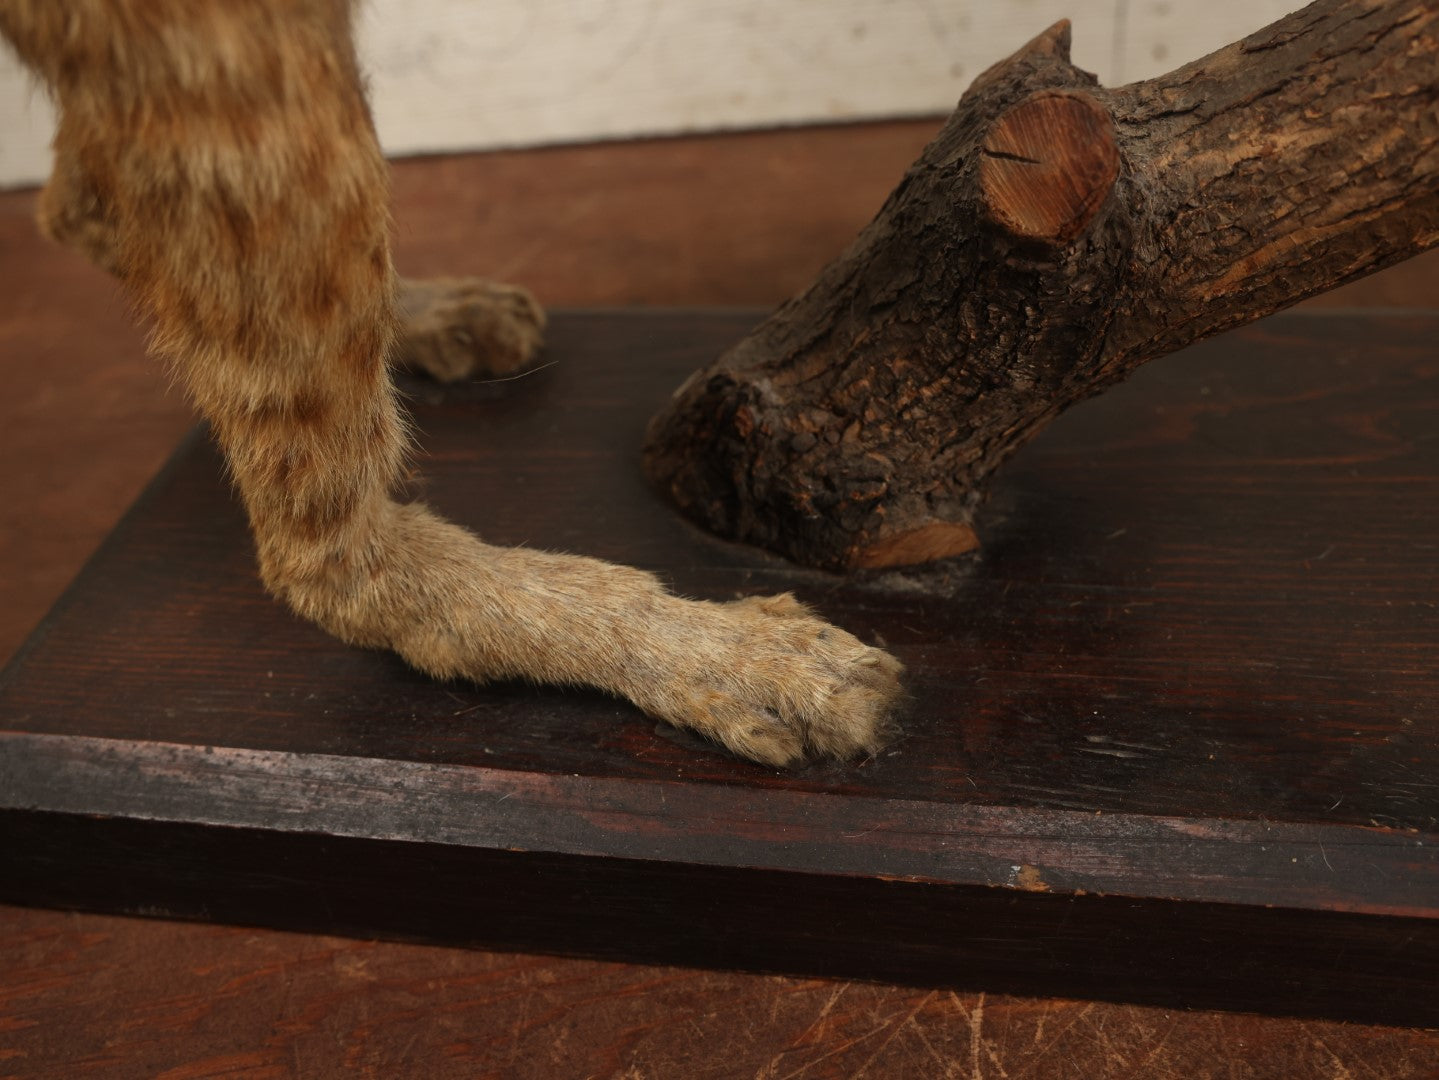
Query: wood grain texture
{"x":673,"y":222}
{"x":1047,"y":165}
{"x":1182,"y":698}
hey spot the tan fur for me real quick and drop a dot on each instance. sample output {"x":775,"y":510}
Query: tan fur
{"x":218,"y":156}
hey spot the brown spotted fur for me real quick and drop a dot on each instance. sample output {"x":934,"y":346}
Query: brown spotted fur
{"x":218,"y":156}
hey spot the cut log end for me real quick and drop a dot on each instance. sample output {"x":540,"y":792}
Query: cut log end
{"x":1047,"y":166}
{"x":928,"y":543}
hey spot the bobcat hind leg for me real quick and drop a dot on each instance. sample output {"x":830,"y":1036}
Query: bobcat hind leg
{"x":450,"y":328}
{"x":71,"y":211}
{"x":459,"y":328}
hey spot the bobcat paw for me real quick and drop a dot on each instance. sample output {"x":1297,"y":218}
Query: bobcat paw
{"x":458,"y":328}
{"x":773,"y":683}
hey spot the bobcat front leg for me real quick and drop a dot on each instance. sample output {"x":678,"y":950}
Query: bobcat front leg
{"x":246,"y":194}
{"x":762,"y":676}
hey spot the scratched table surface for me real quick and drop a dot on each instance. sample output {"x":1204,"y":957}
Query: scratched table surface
{"x":97,"y":995}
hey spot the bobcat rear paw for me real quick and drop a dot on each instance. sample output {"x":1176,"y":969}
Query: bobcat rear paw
{"x":459,"y":328}
{"x":775,"y":684}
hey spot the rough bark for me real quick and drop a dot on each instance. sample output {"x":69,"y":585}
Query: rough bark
{"x":1054,"y":236}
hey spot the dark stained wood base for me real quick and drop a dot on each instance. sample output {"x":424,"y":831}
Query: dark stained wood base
{"x":1174,"y":735}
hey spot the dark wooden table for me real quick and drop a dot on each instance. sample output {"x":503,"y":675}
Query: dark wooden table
{"x":92,"y":993}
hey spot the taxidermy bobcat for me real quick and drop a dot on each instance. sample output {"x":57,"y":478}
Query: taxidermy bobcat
{"x":218,"y":156}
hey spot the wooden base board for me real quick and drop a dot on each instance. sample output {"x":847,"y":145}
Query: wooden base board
{"x":1173,"y":736}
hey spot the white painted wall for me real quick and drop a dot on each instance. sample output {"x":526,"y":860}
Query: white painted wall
{"x":472,"y":74}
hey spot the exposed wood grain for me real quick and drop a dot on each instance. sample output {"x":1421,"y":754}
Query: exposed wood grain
{"x":1047,"y":165}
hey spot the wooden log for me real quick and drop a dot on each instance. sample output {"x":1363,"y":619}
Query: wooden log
{"x":1053,"y":237}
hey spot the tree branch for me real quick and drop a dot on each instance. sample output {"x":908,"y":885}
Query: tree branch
{"x":1053,"y":237}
